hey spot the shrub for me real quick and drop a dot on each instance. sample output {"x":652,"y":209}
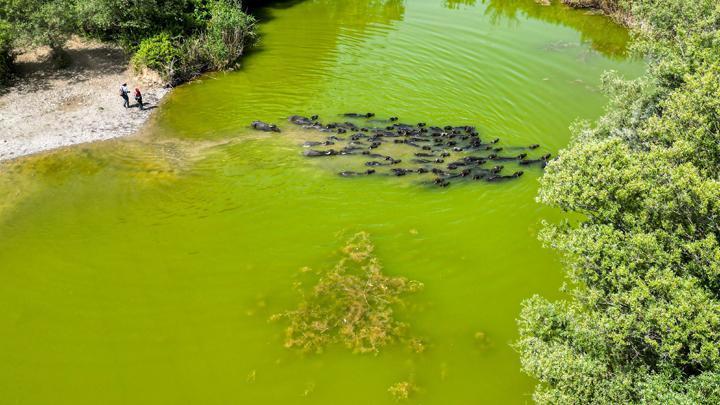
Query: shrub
{"x":228,"y":32}
{"x":179,"y":39}
{"x":195,"y":59}
{"x":159,"y":53}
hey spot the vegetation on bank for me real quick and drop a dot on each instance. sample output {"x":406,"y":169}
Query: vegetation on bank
{"x":178,"y":38}
{"x":642,"y":324}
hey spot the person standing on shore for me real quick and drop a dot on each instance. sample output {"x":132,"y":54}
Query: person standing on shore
{"x":124,"y":94}
{"x":138,"y":98}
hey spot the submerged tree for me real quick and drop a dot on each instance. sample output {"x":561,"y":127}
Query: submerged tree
{"x":353,"y":304}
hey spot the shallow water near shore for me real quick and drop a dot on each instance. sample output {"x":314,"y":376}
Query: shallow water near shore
{"x":146,"y":270}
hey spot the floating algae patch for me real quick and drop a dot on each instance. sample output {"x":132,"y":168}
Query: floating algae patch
{"x":402,"y":391}
{"x":353,"y":304}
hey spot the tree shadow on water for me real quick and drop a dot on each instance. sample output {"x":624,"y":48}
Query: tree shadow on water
{"x":261,"y":8}
{"x":456,"y":4}
{"x":601,"y":33}
{"x":333,"y":16}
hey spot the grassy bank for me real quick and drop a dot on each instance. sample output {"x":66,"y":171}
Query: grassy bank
{"x":643,"y":321}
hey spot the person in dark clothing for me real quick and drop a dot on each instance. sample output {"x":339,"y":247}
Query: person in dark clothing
{"x":124,"y":94}
{"x":138,"y":98}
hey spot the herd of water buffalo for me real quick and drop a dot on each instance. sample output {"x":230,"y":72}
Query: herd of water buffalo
{"x":449,"y":152}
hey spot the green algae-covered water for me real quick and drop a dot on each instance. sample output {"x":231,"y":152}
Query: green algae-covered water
{"x":145,"y":270}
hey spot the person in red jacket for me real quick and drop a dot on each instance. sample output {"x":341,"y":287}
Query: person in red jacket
{"x":138,"y":98}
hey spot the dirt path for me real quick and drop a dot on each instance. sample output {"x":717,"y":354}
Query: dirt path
{"x":46,"y":108}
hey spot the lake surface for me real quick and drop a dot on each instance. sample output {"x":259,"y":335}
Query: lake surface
{"x":145,"y":270}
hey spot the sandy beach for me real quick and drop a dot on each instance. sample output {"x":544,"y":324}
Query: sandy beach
{"x":45,"y":108}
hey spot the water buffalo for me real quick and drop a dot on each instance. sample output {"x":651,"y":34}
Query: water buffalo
{"x":495,"y":178}
{"x":263,"y":126}
{"x":542,"y":161}
{"x":318,"y":153}
{"x":300,"y":120}
{"x":352,"y":174}
{"x":374,"y":155}
{"x":316,"y":143}
{"x":356,"y":115}
{"x":508,"y":158}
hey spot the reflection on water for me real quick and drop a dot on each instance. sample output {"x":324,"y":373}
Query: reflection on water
{"x":599,"y":31}
{"x":415,"y":60}
{"x":456,"y":4}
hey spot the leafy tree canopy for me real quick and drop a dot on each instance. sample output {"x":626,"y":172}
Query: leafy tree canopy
{"x":642,"y":323}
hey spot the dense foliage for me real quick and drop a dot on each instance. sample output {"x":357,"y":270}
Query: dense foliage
{"x":38,"y":22}
{"x":179,"y":38}
{"x":157,"y":52}
{"x":220,"y":45}
{"x":642,"y":323}
{"x":226,"y":30}
{"x":129,"y":22}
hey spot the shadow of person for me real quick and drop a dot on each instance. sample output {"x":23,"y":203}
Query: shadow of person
{"x":145,"y":106}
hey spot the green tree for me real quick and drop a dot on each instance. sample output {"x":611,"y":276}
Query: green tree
{"x":129,"y":22}
{"x":41,"y":22}
{"x":178,"y":38}
{"x":229,"y":31}
{"x":226,"y":31}
{"x":642,"y":324}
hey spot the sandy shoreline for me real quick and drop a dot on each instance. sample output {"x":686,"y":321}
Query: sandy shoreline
{"x":45,"y":109}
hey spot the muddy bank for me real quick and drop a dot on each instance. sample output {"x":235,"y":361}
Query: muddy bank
{"x":45,"y":108}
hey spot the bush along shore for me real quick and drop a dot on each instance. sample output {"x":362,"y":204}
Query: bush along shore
{"x":179,"y":39}
{"x":642,"y":321}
